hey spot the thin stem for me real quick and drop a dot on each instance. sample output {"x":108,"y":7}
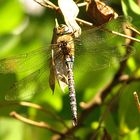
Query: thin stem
{"x":133,"y":29}
{"x":82,"y":4}
{"x":35,"y":123}
{"x":38,"y":107}
{"x":84,"y":22}
{"x":47,"y":3}
{"x":125,"y":36}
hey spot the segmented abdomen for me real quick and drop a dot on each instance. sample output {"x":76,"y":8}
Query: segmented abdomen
{"x":72,"y":95}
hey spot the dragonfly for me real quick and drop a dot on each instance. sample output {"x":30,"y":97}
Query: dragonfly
{"x":94,"y":49}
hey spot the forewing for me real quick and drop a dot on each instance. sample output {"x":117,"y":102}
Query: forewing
{"x":99,"y":48}
{"x":34,"y":83}
{"x":31,"y":67}
{"x":25,"y":63}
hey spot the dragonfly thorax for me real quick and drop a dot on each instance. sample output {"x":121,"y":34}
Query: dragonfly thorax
{"x":66,"y":45}
{"x":63,"y":46}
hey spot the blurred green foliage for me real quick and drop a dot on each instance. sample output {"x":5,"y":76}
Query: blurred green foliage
{"x":23,"y":29}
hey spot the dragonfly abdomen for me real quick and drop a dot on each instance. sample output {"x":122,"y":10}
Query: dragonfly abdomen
{"x":72,"y":95}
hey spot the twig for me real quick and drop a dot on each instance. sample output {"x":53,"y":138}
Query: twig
{"x":123,"y":35}
{"x":36,"y":106}
{"x":130,"y":79}
{"x":84,"y":22}
{"x":136,"y":97}
{"x":82,"y":4}
{"x":47,"y":3}
{"x":133,"y":29}
{"x":99,"y":99}
{"x":35,"y":123}
{"x":110,"y":104}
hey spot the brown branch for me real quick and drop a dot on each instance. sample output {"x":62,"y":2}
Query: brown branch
{"x":48,"y":4}
{"x":98,"y":100}
{"x":35,"y":123}
{"x":104,"y":92}
{"x":133,"y":29}
{"x":136,"y":97}
{"x":36,"y":106}
{"x":123,"y":35}
{"x":82,"y":4}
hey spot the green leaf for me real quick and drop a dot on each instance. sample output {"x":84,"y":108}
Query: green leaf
{"x":124,"y":7}
{"x":134,"y":7}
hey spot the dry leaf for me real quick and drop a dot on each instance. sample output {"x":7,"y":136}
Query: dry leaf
{"x":100,"y":12}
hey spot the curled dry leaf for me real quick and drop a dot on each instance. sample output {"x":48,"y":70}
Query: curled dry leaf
{"x":100,"y":12}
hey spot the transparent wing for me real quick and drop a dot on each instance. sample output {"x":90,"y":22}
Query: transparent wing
{"x":99,"y":48}
{"x":36,"y":82}
{"x":25,"y":63}
{"x":34,"y":70}
{"x":100,"y":34}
